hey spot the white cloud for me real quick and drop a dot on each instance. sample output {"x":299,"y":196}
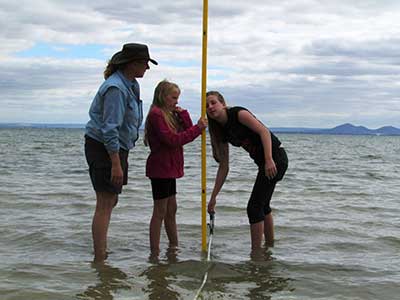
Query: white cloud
{"x":299,"y":63}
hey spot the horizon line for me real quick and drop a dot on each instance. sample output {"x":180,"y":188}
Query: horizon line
{"x":82,"y":125}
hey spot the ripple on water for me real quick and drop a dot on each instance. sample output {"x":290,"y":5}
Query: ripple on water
{"x":336,"y":216}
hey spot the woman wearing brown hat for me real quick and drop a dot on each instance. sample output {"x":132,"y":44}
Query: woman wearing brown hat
{"x":116,"y":114}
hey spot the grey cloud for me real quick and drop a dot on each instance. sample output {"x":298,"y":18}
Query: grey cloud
{"x":376,"y":49}
{"x":319,"y":102}
{"x":290,"y":61}
{"x":30,"y":75}
{"x":151,"y":12}
{"x":345,"y":68}
{"x":41,"y":91}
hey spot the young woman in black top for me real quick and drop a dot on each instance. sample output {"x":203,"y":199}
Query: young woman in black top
{"x":237,"y":126}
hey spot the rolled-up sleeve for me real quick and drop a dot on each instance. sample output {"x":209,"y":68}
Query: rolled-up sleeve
{"x":113,"y":116}
{"x":185,"y":118}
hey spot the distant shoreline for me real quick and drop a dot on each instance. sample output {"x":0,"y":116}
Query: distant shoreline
{"x":344,"y":129}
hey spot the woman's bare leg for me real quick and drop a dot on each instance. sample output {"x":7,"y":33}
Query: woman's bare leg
{"x":269,"y":230}
{"x":256,"y":232}
{"x":105,"y":202}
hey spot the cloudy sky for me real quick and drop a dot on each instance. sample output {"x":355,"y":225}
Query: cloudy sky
{"x":294,"y":63}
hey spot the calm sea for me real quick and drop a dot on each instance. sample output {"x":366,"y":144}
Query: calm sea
{"x":337,"y":218}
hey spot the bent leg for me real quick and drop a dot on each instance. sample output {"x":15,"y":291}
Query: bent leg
{"x":105,"y":202}
{"x":159,"y":211}
{"x":268,"y":219}
{"x":259,"y":211}
{"x":170,"y":222}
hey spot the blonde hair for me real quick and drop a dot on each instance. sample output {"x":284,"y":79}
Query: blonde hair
{"x":162,"y":90}
{"x":216,"y":131}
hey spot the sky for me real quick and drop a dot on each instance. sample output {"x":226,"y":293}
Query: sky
{"x":293,"y":63}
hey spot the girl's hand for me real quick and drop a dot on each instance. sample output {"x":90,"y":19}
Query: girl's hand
{"x":270,"y":169}
{"x":202,"y":123}
{"x":179,"y":109}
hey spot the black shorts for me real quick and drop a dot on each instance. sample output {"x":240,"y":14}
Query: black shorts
{"x":99,"y":163}
{"x":163,"y":187}
{"x":259,"y":204}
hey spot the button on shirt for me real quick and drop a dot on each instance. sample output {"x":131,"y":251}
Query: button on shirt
{"x":116,"y":113}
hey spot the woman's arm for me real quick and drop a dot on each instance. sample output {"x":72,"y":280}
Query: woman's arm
{"x":169,"y":137}
{"x":247,"y":119}
{"x":223,"y":169}
{"x":113,"y":117}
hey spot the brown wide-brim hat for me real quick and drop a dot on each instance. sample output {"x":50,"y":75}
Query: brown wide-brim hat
{"x":131,"y":52}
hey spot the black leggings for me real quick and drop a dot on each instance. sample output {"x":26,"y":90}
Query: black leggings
{"x":259,"y":203}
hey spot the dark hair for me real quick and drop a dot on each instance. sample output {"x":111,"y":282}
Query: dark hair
{"x":111,"y":68}
{"x":215,"y":130}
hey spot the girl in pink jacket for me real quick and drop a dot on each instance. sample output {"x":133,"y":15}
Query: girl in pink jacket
{"x":168,"y":127}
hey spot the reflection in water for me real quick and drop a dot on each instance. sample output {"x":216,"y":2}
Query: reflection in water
{"x":160,"y":278}
{"x":258,"y":278}
{"x":258,"y":269}
{"x":252,"y":280}
{"x":171,"y":279}
{"x":111,"y":280}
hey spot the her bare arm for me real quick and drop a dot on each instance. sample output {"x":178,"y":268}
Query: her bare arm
{"x":247,"y":119}
{"x":223,"y":169}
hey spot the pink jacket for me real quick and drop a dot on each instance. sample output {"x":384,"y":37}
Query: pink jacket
{"x":166,"y":157}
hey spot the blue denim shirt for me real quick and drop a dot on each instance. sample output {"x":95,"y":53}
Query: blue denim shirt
{"x":116,"y":113}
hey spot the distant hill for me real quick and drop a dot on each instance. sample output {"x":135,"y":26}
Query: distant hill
{"x":345,"y":129}
{"x":349,"y":129}
{"x":361,"y":130}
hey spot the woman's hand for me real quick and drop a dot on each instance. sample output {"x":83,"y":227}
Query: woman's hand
{"x":270,"y":169}
{"x":117,"y":175}
{"x":211,"y":205}
{"x":202,"y":123}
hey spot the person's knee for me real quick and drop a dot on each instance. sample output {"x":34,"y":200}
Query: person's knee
{"x":159,"y":214}
{"x":171,"y":208}
{"x":105,"y":202}
{"x":255,"y":214}
{"x":160,"y":209}
{"x":170,"y":214}
{"x":267,"y":211}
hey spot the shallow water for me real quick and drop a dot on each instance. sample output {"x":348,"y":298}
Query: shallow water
{"x":336,"y":219}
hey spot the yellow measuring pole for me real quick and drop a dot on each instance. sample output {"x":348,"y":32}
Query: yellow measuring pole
{"x":203,"y":134}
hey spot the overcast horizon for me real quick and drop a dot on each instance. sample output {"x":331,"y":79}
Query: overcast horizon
{"x":305,"y":63}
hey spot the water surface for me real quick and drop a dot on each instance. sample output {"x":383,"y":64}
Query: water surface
{"x":336,"y":219}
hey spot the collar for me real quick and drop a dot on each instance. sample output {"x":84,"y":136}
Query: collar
{"x":129,"y":84}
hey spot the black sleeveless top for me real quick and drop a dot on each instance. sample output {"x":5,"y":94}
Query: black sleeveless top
{"x":240,"y":135}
